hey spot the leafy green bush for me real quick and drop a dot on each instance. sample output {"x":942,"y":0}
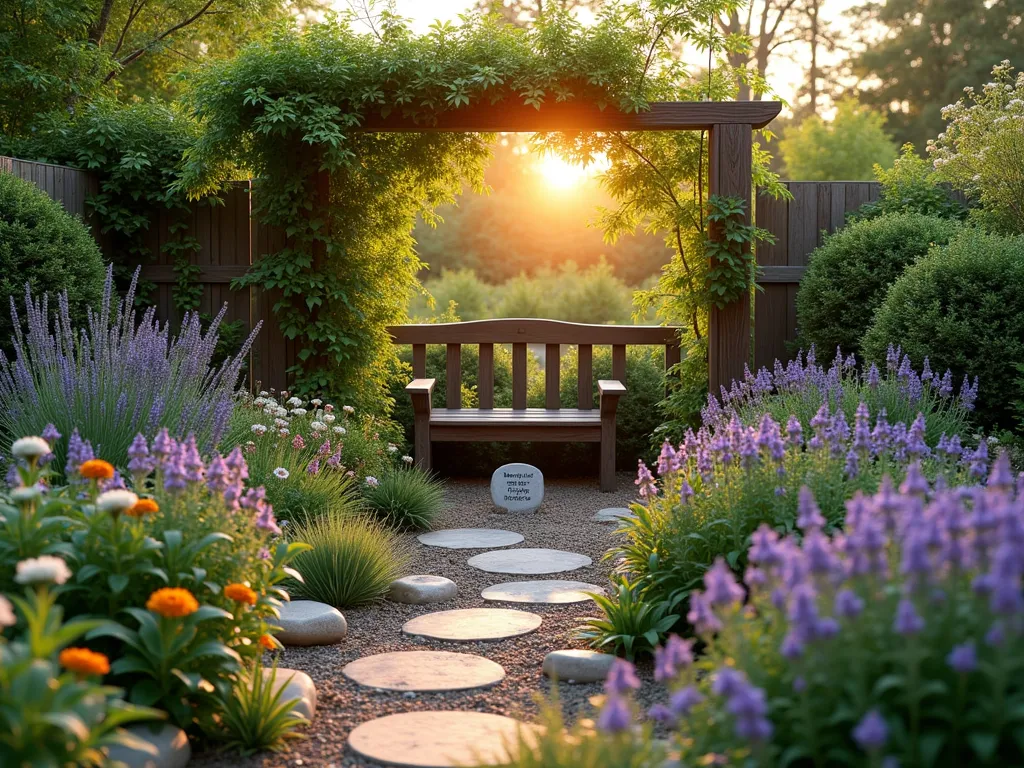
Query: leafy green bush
{"x":353,"y":560}
{"x":630,"y":625}
{"x":910,"y":186}
{"x":962,"y":307}
{"x":41,"y":245}
{"x":847,"y":276}
{"x":49,"y":716}
{"x":406,"y":499}
{"x":981,"y":152}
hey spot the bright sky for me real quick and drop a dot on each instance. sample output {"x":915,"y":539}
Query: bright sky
{"x":785,"y":74}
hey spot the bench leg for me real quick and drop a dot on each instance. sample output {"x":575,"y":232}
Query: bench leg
{"x":608,"y":454}
{"x":421,"y":437}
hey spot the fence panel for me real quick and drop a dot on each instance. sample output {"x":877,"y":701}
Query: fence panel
{"x":799,"y":226}
{"x":68,"y":186}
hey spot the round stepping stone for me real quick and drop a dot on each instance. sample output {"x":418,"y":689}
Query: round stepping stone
{"x":438,"y":739}
{"x":553,"y":591}
{"x":577,"y":666}
{"x":425,"y":671}
{"x":468,"y":625}
{"x":307,"y":622}
{"x":529,"y":561}
{"x":470,"y":538}
{"x":420,"y":590}
{"x":614,"y":514}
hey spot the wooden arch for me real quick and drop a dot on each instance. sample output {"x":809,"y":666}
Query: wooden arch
{"x":729,"y":123}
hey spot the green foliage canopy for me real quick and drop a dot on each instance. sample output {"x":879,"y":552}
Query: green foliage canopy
{"x":285,"y":108}
{"x":844,"y":149}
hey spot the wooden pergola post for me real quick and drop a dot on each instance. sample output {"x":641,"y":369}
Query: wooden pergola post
{"x":730,"y":175}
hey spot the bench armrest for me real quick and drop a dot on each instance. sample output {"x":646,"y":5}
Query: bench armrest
{"x":420,"y":390}
{"x":609,"y":391}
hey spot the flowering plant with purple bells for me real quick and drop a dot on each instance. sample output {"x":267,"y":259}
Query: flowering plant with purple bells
{"x":172,"y":522}
{"x":895,"y":643}
{"x":715,"y":489}
{"x":802,"y":386}
{"x":118,"y":376}
{"x":310,"y":455}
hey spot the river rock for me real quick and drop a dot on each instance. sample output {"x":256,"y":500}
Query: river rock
{"x":159,"y":746}
{"x":577,"y":666}
{"x":307,"y":622}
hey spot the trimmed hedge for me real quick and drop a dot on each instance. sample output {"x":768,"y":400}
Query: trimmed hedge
{"x":962,"y":306}
{"x":848,"y":275}
{"x":44,"y":246}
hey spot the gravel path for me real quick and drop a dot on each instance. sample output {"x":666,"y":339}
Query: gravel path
{"x":563,"y":522}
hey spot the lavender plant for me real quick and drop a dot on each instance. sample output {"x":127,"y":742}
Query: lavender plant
{"x":720,"y":485}
{"x":800,"y":387}
{"x":116,"y":377}
{"x":898,"y":642}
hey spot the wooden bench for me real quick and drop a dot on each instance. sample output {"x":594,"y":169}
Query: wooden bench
{"x":519,"y":423}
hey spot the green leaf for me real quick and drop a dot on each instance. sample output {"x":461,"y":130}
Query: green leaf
{"x":117,"y":582}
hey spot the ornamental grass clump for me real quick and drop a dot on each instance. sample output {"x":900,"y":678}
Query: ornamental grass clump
{"x":896,"y":642}
{"x":407,"y":499}
{"x":716,"y":488}
{"x":115,"y":377}
{"x":800,"y":387}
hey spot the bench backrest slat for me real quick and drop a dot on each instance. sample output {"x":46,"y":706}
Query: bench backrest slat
{"x":585,"y":386}
{"x":485,"y":377}
{"x":552,"y":368}
{"x":519,"y":333}
{"x":519,"y":375}
{"x":453,"y":366}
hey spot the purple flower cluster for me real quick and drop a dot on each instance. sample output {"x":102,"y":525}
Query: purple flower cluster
{"x":117,"y":370}
{"x":178,"y":467}
{"x":904,"y":552}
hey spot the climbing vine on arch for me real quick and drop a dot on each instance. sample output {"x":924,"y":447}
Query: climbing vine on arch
{"x":286,"y":109}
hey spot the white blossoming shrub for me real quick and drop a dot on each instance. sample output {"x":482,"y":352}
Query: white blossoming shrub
{"x":981,"y":152}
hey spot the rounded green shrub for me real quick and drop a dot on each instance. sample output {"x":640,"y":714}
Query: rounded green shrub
{"x":352,"y":560}
{"x":849,"y":273}
{"x":962,"y":307}
{"x":408,"y":499}
{"x":44,"y":246}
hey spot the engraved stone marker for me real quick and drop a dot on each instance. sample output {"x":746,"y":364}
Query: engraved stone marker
{"x":517,"y":487}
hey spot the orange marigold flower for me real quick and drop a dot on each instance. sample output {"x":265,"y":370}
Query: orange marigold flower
{"x":268,"y":642}
{"x":84,"y":662}
{"x":240,"y":594}
{"x":142,"y":508}
{"x":96,"y":469}
{"x":172,"y":602}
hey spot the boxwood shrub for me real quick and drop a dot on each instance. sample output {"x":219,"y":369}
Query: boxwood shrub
{"x":47,"y":248}
{"x":962,"y":306}
{"x":848,"y":275}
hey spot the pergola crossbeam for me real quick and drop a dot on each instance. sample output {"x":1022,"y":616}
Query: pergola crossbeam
{"x":579,"y":116}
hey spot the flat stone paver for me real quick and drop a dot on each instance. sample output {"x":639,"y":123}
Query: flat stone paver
{"x":614,"y":514}
{"x":425,"y":671}
{"x":468,"y":625}
{"x":421,"y":590}
{"x":438,"y":739}
{"x":529,"y":561}
{"x":470,"y":538}
{"x":551,"y":591}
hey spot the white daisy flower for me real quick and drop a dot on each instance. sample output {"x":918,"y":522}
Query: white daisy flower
{"x":318,"y":426}
{"x":281,"y":473}
{"x":42,"y":569}
{"x":298,"y":411}
{"x":116,"y":501}
{"x":348,"y":409}
{"x":317,"y":402}
{"x":372,"y":481}
{"x":280,"y":412}
{"x":294,"y":401}
{"x":407,"y":459}
{"x":263,"y":393}
{"x":329,"y":418}
{"x":259,"y":402}
{"x":340,"y":430}
{"x":280,"y":422}
{"x":283,"y":432}
{"x":23,"y":494}
{"x":30,"y":448}
{"x":392,"y":448}
{"x":259,"y":429}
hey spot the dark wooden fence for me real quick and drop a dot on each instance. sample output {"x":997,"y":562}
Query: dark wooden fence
{"x":799,"y":225}
{"x":229,"y":241}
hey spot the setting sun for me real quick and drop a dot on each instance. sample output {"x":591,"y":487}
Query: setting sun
{"x":561,"y":174}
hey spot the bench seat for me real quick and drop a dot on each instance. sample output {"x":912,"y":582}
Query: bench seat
{"x":533,"y":424}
